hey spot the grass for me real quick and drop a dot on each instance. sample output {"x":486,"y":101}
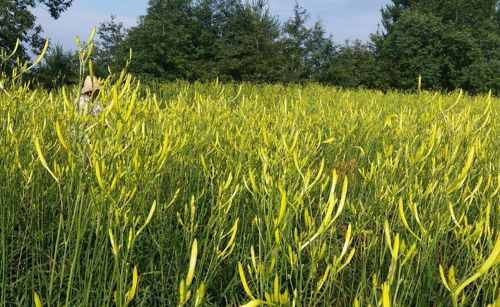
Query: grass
{"x":222,"y":194}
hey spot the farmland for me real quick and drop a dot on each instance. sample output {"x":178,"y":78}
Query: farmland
{"x":211,"y":194}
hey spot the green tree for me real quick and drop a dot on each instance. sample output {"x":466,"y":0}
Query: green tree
{"x":58,"y":68}
{"x":320,"y":51}
{"x":353,"y":65}
{"x":206,"y":33}
{"x":307,"y":50}
{"x":18,"y":22}
{"x":415,"y":46}
{"x":294,"y":40}
{"x":200,"y":40}
{"x":109,"y":53}
{"x":180,"y":32}
{"x":247,"y":47}
{"x":450,"y":43}
{"x":482,"y":72}
{"x":165,"y":24}
{"x":462,"y":13}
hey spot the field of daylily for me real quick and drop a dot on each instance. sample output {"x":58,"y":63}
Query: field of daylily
{"x":223,"y":195}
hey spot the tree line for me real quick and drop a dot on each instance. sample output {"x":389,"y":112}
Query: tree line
{"x":450,"y":43}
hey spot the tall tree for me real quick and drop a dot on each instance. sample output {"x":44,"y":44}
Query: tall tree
{"x":206,"y":35}
{"x":18,"y":22}
{"x":247,"y":46}
{"x":415,"y":46}
{"x":205,"y":39}
{"x":451,"y":43}
{"x":184,"y":37}
{"x":307,"y":50}
{"x":162,"y":42}
{"x":320,"y":51}
{"x":294,"y":39}
{"x":58,"y":68}
{"x":109,"y":52}
{"x":353,"y":65}
{"x":462,"y":13}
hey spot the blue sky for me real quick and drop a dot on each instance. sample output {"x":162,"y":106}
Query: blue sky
{"x":344,"y":19}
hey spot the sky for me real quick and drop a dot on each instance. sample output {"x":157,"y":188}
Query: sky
{"x":344,"y":19}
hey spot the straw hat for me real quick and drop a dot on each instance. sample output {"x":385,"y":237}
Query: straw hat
{"x":91,"y":84}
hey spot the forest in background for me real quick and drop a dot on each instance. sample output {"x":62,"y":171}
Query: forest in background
{"x":451,"y":43}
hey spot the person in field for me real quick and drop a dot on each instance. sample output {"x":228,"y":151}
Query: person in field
{"x":90,"y":91}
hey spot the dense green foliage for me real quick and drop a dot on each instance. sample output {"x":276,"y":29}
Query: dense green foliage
{"x":206,"y":39}
{"x":109,"y":55}
{"x":18,"y":22}
{"x":451,"y":44}
{"x":58,"y":68}
{"x":292,"y":195}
